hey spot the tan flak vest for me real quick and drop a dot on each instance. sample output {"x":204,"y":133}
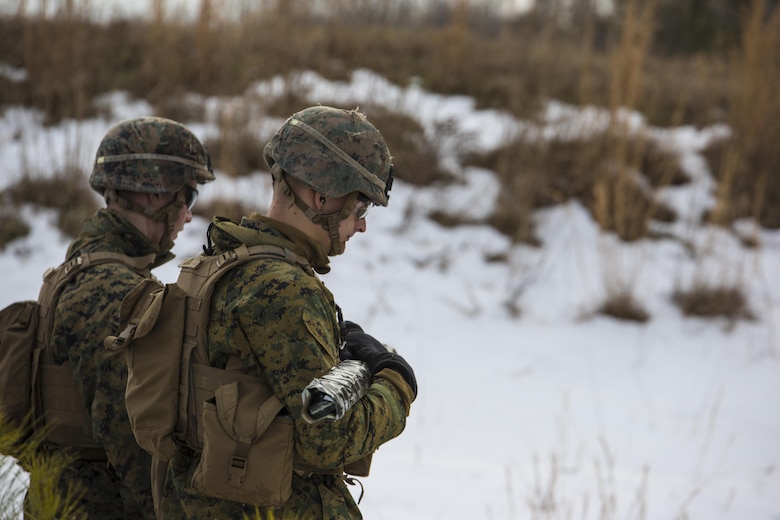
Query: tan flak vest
{"x":35,"y":391}
{"x":164,"y":330}
{"x":174,"y":397}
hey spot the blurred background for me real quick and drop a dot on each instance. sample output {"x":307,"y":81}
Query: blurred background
{"x":697,"y":62}
{"x":561,"y":163}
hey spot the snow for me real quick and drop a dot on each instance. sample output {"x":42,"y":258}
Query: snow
{"x":530,"y":405}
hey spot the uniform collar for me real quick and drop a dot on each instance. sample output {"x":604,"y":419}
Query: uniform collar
{"x":258,"y":229}
{"x":108,"y":231}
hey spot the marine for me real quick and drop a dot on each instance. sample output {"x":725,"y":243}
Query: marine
{"x":148,"y":170}
{"x":284,"y":327}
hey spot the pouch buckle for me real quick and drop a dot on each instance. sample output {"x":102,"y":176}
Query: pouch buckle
{"x":237,"y":471}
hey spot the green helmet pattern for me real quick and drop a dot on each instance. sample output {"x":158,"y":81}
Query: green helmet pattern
{"x":335,"y":152}
{"x":149,"y":154}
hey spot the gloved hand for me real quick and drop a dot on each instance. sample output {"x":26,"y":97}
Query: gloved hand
{"x":369,"y":350}
{"x":350,"y":327}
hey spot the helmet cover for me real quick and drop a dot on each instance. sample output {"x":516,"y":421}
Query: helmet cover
{"x":149,"y":154}
{"x":333,"y":151}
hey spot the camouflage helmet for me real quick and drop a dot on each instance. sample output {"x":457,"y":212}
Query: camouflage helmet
{"x":335,"y":152}
{"x":149,"y":154}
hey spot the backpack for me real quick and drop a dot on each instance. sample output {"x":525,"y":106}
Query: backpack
{"x":174,"y":397}
{"x":35,"y":393}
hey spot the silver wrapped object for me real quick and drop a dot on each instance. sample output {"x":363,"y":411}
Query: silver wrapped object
{"x":330,"y":396}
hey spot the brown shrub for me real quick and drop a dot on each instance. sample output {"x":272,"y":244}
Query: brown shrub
{"x":223,"y":208}
{"x":746,"y":164}
{"x":597,"y":170}
{"x":183,"y":107}
{"x":287,"y":104}
{"x":624,"y":307}
{"x":713,"y":302}
{"x":237,"y":153}
{"x":415,"y":158}
{"x":508,"y":64}
{"x":11,"y":227}
{"x":66,"y":191}
{"x":748,"y":186}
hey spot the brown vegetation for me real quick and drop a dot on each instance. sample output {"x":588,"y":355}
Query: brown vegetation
{"x":614,"y":176}
{"x":659,"y":58}
{"x":43,"y":499}
{"x":713,"y":302}
{"x":223,"y":208}
{"x":66,"y":191}
{"x":624,"y":307}
{"x":746,"y":164}
{"x":12,"y":226}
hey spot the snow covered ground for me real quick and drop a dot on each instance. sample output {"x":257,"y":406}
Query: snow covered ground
{"x":553,"y":413}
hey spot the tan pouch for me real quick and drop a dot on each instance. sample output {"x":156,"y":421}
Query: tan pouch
{"x":67,"y":422}
{"x":18,"y":326}
{"x":247,"y":447}
{"x":361,"y":467}
{"x":153,"y":316}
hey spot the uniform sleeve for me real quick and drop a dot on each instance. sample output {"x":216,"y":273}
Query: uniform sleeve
{"x":290,"y":325}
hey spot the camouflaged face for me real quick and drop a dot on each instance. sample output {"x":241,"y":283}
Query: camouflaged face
{"x":149,"y":154}
{"x":335,"y":152}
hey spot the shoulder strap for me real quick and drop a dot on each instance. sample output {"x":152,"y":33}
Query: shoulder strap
{"x":197,"y":278}
{"x":55,"y":279}
{"x":201,"y":273}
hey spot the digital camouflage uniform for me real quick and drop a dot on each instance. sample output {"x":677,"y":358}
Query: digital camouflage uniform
{"x":282,"y":323}
{"x":86,"y":313}
{"x":150,"y":155}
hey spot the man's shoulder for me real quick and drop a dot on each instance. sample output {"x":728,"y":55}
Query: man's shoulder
{"x":272,"y":269}
{"x":111,"y":280}
{"x":267,"y":280}
{"x":115,"y":271}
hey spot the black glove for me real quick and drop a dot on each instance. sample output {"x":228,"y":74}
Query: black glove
{"x":369,"y":350}
{"x":350,"y":327}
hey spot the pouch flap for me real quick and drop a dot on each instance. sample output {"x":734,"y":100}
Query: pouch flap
{"x":137,"y":301}
{"x":150,"y":311}
{"x":240,"y":410}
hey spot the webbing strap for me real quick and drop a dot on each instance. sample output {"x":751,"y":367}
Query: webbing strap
{"x":55,"y":394}
{"x":197,"y":278}
{"x":54,"y":280}
{"x":245,"y":253}
{"x":151,"y":157}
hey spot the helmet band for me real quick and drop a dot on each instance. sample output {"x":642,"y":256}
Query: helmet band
{"x":150,"y":156}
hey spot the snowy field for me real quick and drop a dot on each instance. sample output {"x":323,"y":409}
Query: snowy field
{"x":545,"y":413}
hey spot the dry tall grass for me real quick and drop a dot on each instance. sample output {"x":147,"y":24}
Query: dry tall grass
{"x":22,"y":453}
{"x":452,"y":48}
{"x":563,"y":50}
{"x":746,"y":163}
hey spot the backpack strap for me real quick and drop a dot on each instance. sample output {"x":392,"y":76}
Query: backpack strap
{"x":198,"y":277}
{"x":55,"y":395}
{"x":55,"y":279}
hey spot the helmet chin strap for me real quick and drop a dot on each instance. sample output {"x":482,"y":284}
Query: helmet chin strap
{"x":329,"y":221}
{"x":167,"y":214}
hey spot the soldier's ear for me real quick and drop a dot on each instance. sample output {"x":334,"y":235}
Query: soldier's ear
{"x":319,"y":201}
{"x":152,"y":200}
{"x":157,"y":200}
